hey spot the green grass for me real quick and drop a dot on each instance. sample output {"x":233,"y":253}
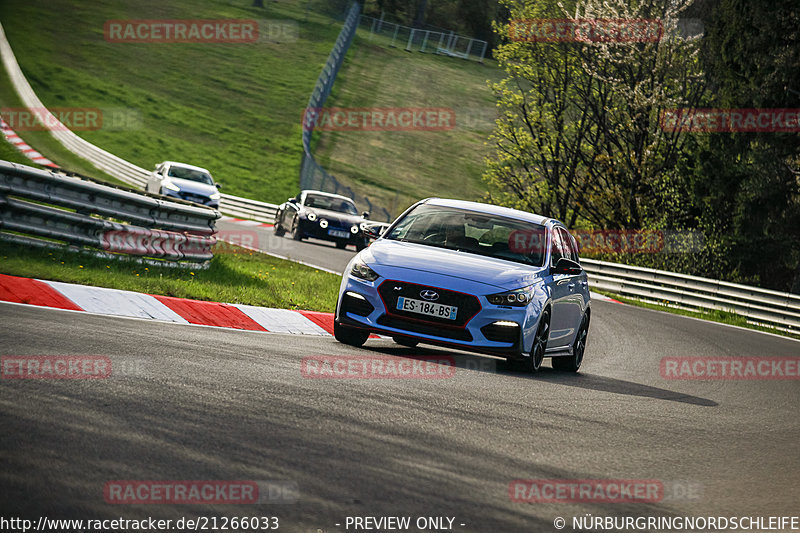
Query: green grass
{"x":232,"y":108}
{"x":235,"y":275}
{"x":9,"y":152}
{"x":43,"y":142}
{"x":236,"y":108}
{"x":394,"y":169}
{"x":723,"y":317}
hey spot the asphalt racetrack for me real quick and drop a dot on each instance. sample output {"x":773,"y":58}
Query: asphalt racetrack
{"x":202,"y":403}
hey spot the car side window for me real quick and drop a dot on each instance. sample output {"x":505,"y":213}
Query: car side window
{"x":569,"y":244}
{"x":557,"y":250}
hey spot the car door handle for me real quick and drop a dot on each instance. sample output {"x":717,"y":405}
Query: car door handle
{"x":571,"y":286}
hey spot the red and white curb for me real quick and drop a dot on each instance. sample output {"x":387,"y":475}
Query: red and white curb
{"x":99,"y":300}
{"x":245,"y":222}
{"x":603,"y":298}
{"x":23,"y":147}
{"x":115,"y":302}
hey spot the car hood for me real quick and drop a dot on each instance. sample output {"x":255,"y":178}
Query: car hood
{"x":506,"y":275}
{"x":194,"y":187}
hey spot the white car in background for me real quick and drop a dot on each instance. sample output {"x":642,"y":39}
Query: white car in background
{"x":187,"y":182}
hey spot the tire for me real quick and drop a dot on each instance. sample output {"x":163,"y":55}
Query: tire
{"x":341,"y":245}
{"x":361,"y":245}
{"x":279,"y":231}
{"x":297,"y":234}
{"x":350,"y":336}
{"x":534,"y":362}
{"x":405,"y":341}
{"x":573,"y":362}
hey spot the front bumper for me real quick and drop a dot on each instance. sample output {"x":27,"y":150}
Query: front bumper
{"x":484,"y":327}
{"x":314,"y":230}
{"x":194,"y":198}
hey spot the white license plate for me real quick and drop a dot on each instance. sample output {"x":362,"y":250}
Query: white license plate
{"x":339,"y":234}
{"x":427,"y":308}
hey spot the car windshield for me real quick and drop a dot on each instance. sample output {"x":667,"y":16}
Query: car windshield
{"x":331,"y":203}
{"x":472,"y":232}
{"x":191,"y":175}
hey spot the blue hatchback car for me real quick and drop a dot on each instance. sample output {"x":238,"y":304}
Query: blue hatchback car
{"x":470,"y":276}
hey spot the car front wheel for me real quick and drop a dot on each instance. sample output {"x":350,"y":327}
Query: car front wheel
{"x":279,"y":231}
{"x":297,"y":233}
{"x":539,"y":343}
{"x":573,"y":362}
{"x":350,"y":336}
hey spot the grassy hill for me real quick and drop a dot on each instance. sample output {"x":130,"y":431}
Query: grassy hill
{"x":236,"y":108}
{"x":395,"y":168}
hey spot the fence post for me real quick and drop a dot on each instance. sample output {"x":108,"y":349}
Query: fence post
{"x":424,"y":41}
{"x":410,"y":39}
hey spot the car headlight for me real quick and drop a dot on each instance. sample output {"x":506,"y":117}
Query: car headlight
{"x":215,"y":196}
{"x":360,"y":270}
{"x":171,"y":186}
{"x":323,"y":223}
{"x":516,"y":298}
{"x":354,"y":229}
{"x":311,"y":216}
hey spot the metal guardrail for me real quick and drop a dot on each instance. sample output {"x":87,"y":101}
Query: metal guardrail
{"x":119,"y":168}
{"x":762,"y":306}
{"x":46,"y":209}
{"x":312,"y":174}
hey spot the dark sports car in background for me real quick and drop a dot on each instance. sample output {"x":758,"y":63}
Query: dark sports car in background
{"x":322,"y":215}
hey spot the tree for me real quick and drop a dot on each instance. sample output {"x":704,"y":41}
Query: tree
{"x":578,"y":135}
{"x":749,"y":183}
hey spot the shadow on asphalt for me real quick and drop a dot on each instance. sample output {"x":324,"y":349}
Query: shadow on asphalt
{"x":478,"y":363}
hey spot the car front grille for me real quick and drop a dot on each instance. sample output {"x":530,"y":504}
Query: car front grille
{"x":425,"y":329}
{"x":468,"y":305}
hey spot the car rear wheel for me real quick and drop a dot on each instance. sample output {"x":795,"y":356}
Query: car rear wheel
{"x":351,"y":336}
{"x":573,"y":362}
{"x":405,"y":341}
{"x":341,"y":244}
{"x":361,"y":245}
{"x":539,"y":343}
{"x":297,"y":233}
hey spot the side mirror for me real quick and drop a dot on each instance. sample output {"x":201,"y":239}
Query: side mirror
{"x":219,"y":186}
{"x":566,"y":266}
{"x":373,"y":231}
{"x":292,"y":200}
{"x":365,"y":214}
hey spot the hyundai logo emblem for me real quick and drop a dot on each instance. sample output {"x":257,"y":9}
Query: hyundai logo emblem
{"x":429,"y":295}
